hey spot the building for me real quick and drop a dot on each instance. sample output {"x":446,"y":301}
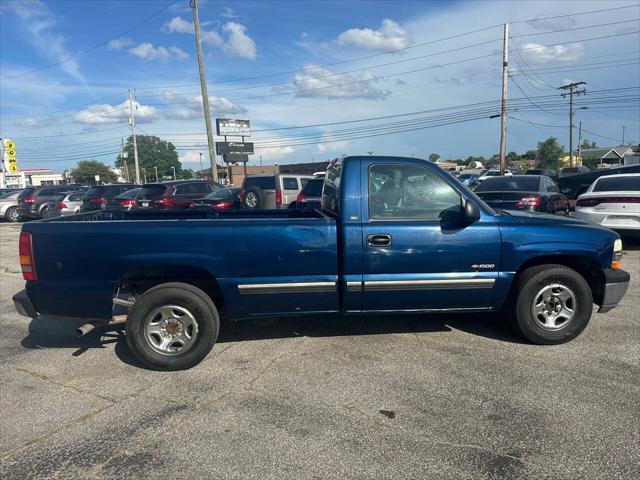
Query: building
{"x":622,"y":155}
{"x":32,"y":177}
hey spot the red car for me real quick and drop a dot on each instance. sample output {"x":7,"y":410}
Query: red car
{"x":174,"y":195}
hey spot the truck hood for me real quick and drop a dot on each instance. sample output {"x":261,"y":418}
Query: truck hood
{"x":527,"y":217}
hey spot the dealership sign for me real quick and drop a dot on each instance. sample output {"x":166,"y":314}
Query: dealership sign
{"x":228,"y":127}
{"x":224,"y":148}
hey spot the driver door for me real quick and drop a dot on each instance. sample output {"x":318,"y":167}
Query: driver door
{"x":414,"y":257}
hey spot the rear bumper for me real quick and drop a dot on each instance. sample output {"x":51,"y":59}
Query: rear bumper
{"x":23,"y":304}
{"x":615,"y":286}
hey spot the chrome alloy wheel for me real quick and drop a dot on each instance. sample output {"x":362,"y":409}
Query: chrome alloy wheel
{"x":554,"y":306}
{"x":170,"y":330}
{"x":251,"y":199}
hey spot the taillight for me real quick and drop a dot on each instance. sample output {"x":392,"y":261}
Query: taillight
{"x":30,"y":199}
{"x":592,"y":202}
{"x":301,"y":198}
{"x":25,"y":248}
{"x":165,"y":202}
{"x":222,"y":205}
{"x":100,"y":200}
{"x":278,"y":197}
{"x":241,"y":195}
{"x":61,"y":205}
{"x":192,"y":205}
{"x":529,"y":202}
{"x":127,"y":203}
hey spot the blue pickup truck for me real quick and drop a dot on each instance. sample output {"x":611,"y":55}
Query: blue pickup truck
{"x":394,"y":235}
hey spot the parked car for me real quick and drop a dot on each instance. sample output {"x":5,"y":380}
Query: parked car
{"x":223,"y":199}
{"x":174,"y":195}
{"x":535,"y":193}
{"x":311,"y":194}
{"x":574,"y":185}
{"x":127,"y":200}
{"x":492,"y":173}
{"x":9,"y":205}
{"x":33,"y":202}
{"x":66,"y":203}
{"x":574,"y":170}
{"x":422,"y":242}
{"x":97,"y":198}
{"x":272,"y":191}
{"x":612,"y":201}
{"x":469,"y":179}
{"x":549,"y":172}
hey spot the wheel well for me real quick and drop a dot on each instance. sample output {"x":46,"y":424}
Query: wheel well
{"x":138,"y":280}
{"x":585,"y":266}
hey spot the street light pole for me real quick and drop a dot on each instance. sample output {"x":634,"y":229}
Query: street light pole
{"x":174,"y":172}
{"x":156,"y":169}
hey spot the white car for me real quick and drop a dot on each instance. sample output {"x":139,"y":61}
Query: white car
{"x":612,"y":201}
{"x":493,"y":173}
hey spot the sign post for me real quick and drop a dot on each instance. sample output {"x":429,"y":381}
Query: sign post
{"x":234,"y":152}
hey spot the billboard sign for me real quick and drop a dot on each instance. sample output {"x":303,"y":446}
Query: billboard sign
{"x":9,"y":156}
{"x":223,"y":148}
{"x":232,"y":127}
{"x":235,"y":158}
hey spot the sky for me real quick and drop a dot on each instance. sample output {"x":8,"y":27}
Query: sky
{"x":317,"y":79}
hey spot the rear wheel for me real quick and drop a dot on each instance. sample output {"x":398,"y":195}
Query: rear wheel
{"x":172,"y":326}
{"x":12,"y":214}
{"x":553,"y":304}
{"x":253,"y":198}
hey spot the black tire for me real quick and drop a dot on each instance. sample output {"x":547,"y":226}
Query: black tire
{"x":12,"y":215}
{"x":253,"y":198}
{"x":182,"y":295}
{"x":529,"y":284}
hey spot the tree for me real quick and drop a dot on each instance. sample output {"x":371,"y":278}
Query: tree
{"x":549,"y":153}
{"x":587,"y":144}
{"x":530,"y":155}
{"x":512,"y":157}
{"x":152,"y":152}
{"x":86,"y":171}
{"x":433,"y":157}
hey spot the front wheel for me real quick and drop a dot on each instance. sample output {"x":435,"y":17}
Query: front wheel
{"x":553,"y":304}
{"x":172,"y":326}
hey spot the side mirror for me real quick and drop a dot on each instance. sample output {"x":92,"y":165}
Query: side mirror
{"x":471,"y":212}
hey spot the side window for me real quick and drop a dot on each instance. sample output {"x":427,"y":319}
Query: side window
{"x":303,"y":182}
{"x":289,"y":183}
{"x":409,"y":192}
{"x":331,"y":190}
{"x":552,"y":186}
{"x":183,"y":189}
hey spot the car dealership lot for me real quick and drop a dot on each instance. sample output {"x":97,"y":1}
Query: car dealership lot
{"x":406,"y":397}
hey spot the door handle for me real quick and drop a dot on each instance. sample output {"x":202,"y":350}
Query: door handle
{"x":379,"y":240}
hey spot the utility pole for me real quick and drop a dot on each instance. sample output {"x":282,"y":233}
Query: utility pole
{"x":572,"y":89}
{"x":503,"y":110}
{"x":156,"y":168}
{"x":132,"y":122}
{"x":623,"y":127}
{"x":200,"y":164}
{"x":579,"y":143}
{"x":203,"y":87}
{"x":174,"y":172}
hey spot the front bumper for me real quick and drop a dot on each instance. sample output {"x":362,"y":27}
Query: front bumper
{"x":616,"y":283}
{"x":23,"y":304}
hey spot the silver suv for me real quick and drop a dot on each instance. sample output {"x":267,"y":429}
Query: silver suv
{"x":272,"y":191}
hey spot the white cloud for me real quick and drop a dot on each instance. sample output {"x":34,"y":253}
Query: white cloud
{"x":146,"y":51}
{"x":40,"y":24}
{"x":331,"y":146}
{"x":178,"y":25}
{"x":107,"y":113}
{"x":190,"y":107}
{"x":541,"y":23}
{"x":119,"y":43}
{"x":321,"y":82}
{"x":559,"y":53}
{"x":228,"y":13}
{"x":390,"y":36}
{"x":194,"y":157}
{"x":238,"y":43}
{"x":178,"y":53}
{"x":275,"y":152}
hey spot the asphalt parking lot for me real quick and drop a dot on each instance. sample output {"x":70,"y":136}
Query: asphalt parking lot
{"x":406,"y":397}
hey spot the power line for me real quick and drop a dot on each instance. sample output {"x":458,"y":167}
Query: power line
{"x":575,"y":28}
{"x":573,"y":14}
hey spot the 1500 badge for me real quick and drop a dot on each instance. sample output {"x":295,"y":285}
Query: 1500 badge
{"x":483,"y":265}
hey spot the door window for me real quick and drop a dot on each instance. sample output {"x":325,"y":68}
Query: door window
{"x":409,"y":192}
{"x":290,"y":183}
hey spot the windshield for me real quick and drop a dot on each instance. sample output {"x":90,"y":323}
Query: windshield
{"x":129,"y":193}
{"x":152,"y":190}
{"x":221,"y":194}
{"x":464,"y":176}
{"x":509,"y":184}
{"x":313,"y":188}
{"x":618,"y":184}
